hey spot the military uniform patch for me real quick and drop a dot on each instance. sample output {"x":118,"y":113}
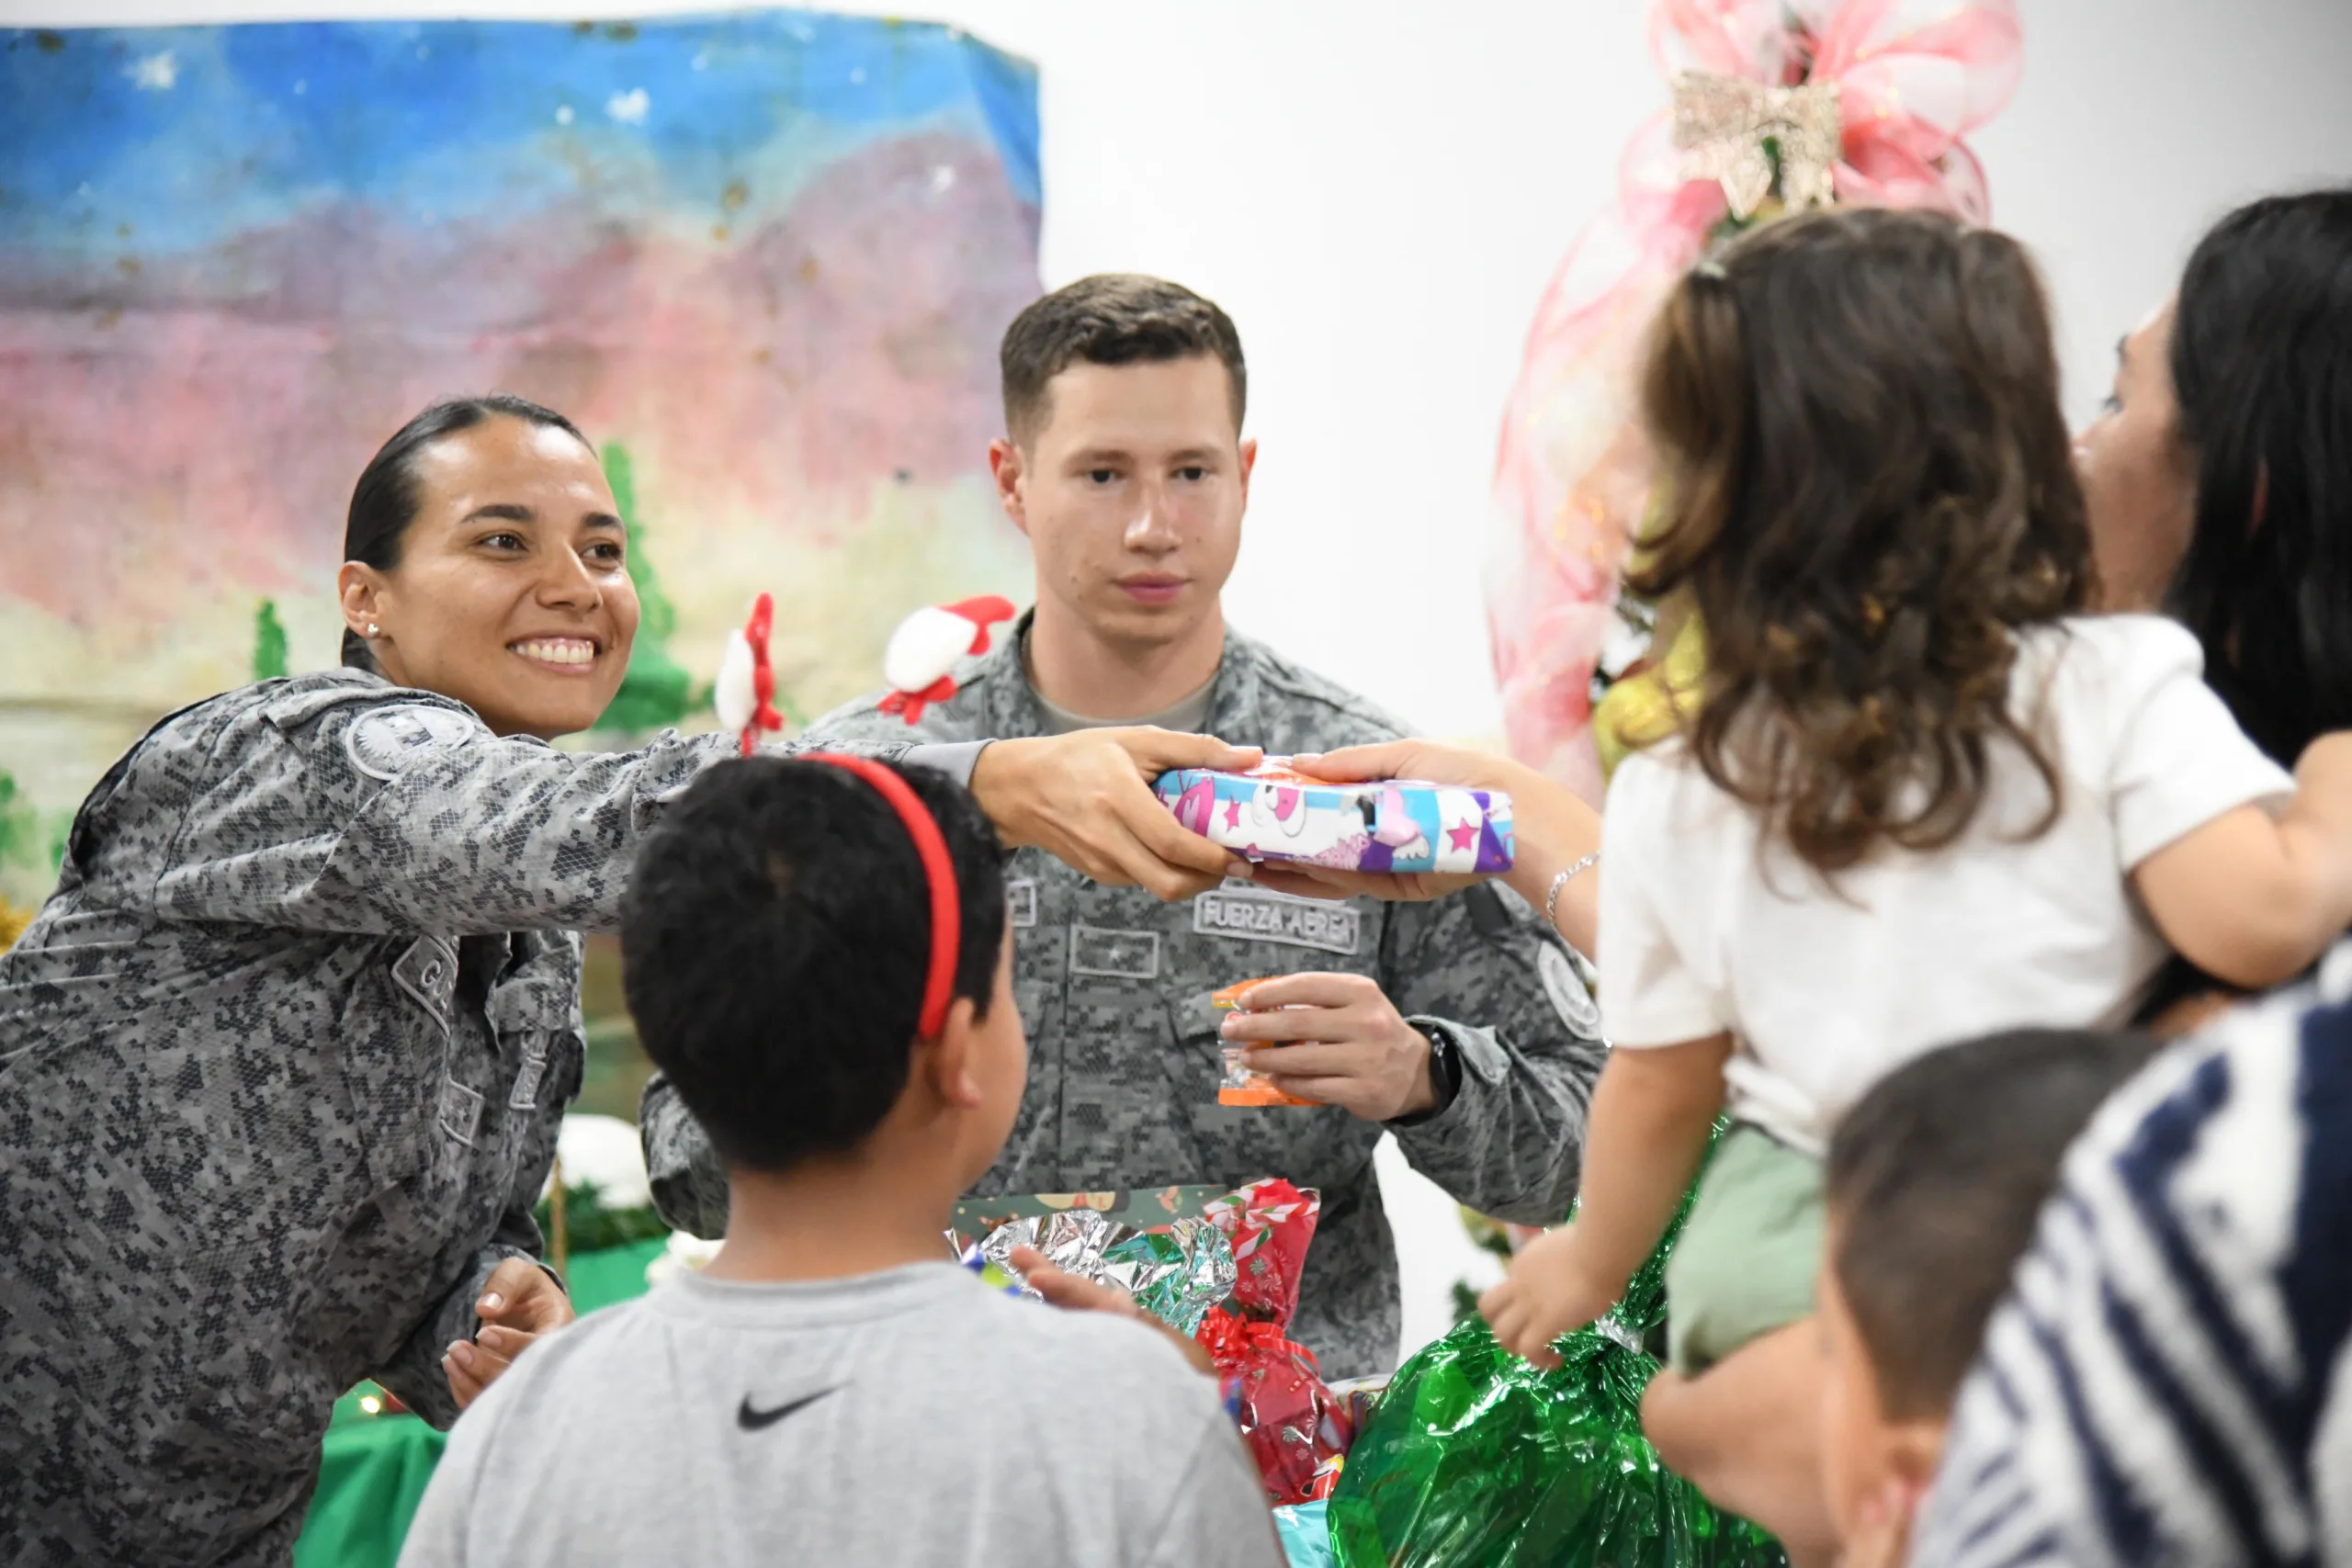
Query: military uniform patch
{"x":460,"y":1110}
{"x":1569,"y":999}
{"x":525,"y":1093}
{"x":1270,"y":917}
{"x":427,"y":971}
{"x":388,"y":742}
{"x":1120,"y":955}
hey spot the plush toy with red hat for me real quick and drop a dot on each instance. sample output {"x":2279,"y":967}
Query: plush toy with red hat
{"x":918,"y":665}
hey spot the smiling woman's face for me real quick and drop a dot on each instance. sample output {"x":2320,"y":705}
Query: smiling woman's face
{"x":511,"y":593}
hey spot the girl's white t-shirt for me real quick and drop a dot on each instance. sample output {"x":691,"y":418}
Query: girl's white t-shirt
{"x":1827,"y":988}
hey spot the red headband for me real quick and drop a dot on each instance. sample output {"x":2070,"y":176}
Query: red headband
{"x":946,"y":910}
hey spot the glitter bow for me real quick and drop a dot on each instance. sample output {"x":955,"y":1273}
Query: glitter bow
{"x":1721,"y":126}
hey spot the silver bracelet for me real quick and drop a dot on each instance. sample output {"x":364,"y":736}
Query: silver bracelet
{"x":1552,"y":898}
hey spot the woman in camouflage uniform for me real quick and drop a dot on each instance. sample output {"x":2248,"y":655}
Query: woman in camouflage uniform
{"x":283,"y":1060}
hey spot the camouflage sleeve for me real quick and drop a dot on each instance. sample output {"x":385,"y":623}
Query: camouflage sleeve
{"x":403,"y":813}
{"x":1511,"y":1142}
{"x":689,"y":1184}
{"x":864,"y":723}
{"x":414,"y":1372}
{"x":956,"y":759}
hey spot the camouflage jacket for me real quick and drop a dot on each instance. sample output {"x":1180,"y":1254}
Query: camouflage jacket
{"x":1115,"y":987}
{"x":282,"y":1063}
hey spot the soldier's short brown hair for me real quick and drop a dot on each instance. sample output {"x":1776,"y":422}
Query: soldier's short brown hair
{"x":1116,"y":318}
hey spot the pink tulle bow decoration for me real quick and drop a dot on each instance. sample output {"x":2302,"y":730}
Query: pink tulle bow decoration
{"x":1910,"y":79}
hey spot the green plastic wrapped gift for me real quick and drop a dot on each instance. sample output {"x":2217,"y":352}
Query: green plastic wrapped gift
{"x":1473,"y":1459}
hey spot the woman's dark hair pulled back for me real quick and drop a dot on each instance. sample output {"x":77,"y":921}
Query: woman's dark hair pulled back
{"x":1865,"y":491}
{"x":2262,"y":368}
{"x":384,"y":502}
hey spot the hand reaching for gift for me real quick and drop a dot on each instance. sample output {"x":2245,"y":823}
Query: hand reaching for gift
{"x":1422,"y":759}
{"x":1071,"y":1294}
{"x":1554,"y":830}
{"x":1086,"y":798}
{"x":1552,"y":1289}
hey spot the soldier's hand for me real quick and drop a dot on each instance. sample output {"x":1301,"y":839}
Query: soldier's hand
{"x":1336,"y":1040}
{"x":1086,"y":798}
{"x":520,"y":1302}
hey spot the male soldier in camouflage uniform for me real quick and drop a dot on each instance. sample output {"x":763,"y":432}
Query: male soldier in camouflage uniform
{"x":1460,"y":1024}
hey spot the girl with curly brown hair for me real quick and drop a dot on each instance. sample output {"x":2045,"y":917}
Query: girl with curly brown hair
{"x":1921,"y":794}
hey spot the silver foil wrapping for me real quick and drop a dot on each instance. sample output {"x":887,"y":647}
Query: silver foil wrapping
{"x":1176,"y":1274}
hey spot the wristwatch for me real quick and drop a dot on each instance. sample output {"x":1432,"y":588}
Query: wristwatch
{"x":1445,"y":1073}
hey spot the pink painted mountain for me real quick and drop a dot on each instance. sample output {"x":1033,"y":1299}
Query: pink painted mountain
{"x":193,"y":424}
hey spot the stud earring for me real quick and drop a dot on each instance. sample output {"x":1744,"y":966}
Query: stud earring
{"x":371,"y":629}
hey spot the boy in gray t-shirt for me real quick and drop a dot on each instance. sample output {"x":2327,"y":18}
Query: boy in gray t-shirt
{"x":830,"y":1389}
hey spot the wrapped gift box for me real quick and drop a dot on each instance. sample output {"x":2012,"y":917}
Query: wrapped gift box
{"x":1275,"y":814}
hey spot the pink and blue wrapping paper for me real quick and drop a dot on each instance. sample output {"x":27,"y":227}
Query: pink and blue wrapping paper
{"x":1273,"y":813}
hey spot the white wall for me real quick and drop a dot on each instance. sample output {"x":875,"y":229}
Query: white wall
{"x":1378,"y":193}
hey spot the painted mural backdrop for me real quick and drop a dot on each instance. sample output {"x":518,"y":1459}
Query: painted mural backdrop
{"x":763,"y":258}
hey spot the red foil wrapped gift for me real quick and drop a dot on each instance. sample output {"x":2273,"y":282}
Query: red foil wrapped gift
{"x":1298,"y":1430}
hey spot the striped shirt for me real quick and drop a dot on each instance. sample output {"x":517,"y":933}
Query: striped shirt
{"x":2170,"y":1380}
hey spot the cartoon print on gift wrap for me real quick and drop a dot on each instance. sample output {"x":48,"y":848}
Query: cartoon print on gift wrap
{"x":1196,"y":807}
{"x":1394,"y":827}
{"x":1273,"y":814}
{"x":1280,"y":806}
{"x":1285,"y":819}
{"x":1396,"y":837}
{"x":1355,"y":851}
{"x":1318,"y":830}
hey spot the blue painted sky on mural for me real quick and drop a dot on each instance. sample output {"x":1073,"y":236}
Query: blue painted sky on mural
{"x":191,"y":134}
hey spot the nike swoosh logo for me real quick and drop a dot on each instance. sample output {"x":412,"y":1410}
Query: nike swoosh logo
{"x":752,"y":1420}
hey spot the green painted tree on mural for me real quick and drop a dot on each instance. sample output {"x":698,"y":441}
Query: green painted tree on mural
{"x":269,"y":642}
{"x":30,"y":837}
{"x":657,"y":690}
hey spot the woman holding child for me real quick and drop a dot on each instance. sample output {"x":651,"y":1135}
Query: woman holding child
{"x":1925,"y":793}
{"x":287,"y":1050}
{"x":2220,"y":481}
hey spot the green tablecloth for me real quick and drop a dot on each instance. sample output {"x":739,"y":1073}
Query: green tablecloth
{"x":373,"y":1468}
